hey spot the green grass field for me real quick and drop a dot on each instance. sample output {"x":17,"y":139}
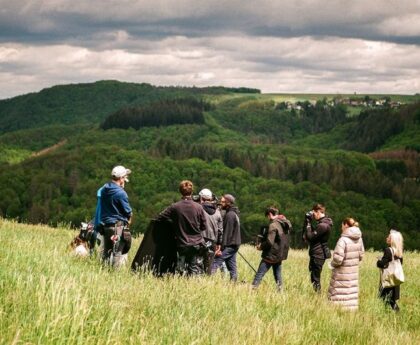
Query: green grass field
{"x":47,"y":296}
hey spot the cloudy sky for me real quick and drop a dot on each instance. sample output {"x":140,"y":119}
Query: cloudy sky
{"x":321,"y":46}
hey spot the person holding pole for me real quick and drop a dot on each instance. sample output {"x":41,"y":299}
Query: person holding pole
{"x":274,"y":246}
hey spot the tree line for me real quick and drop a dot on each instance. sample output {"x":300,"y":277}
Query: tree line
{"x":162,"y":113}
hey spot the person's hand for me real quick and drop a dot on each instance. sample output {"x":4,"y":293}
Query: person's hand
{"x":258,"y":246}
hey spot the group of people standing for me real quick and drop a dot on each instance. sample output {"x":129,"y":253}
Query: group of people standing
{"x":208,"y":237}
{"x":348,"y":252}
{"x":205,"y":239}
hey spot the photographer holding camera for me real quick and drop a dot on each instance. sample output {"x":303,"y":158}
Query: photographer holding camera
{"x":274,"y":245}
{"x":316,"y":231}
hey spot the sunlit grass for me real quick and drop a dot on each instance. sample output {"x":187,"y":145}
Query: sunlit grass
{"x":47,"y":296}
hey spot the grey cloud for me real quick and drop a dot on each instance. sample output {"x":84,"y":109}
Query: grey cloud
{"x":287,"y":46}
{"x":65,"y":20}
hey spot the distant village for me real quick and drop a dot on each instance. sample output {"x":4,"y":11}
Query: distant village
{"x":365,"y":102}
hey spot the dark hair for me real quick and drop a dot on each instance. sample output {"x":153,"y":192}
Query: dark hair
{"x":186,"y":188}
{"x":318,"y":207}
{"x":272,"y":209}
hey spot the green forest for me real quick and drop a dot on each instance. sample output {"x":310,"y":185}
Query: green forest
{"x":58,"y":147}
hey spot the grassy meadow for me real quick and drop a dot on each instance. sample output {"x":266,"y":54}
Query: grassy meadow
{"x":47,"y":296}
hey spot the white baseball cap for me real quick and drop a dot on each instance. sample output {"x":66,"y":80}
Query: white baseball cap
{"x":119,"y":171}
{"x":206,"y":194}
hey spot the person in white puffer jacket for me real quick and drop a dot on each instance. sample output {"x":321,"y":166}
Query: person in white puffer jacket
{"x":349,"y":251}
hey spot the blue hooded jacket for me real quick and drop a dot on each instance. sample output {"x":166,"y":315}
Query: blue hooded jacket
{"x":113,"y":204}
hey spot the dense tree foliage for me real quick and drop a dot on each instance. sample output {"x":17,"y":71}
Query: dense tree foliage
{"x":88,"y":103}
{"x":237,"y":146}
{"x":162,"y":113}
{"x":273,"y":123}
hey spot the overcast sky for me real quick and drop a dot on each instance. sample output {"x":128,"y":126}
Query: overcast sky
{"x":320,"y":46}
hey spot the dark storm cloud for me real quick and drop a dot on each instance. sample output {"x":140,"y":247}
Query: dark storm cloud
{"x":62,"y":20}
{"x":292,"y":45}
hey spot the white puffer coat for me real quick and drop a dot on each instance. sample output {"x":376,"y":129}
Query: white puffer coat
{"x":344,"y":284}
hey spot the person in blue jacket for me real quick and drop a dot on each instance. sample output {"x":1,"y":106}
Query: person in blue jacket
{"x":113,"y":215}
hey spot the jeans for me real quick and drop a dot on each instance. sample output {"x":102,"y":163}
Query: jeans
{"x":263,"y":269}
{"x":315,"y":268}
{"x":229,"y":257}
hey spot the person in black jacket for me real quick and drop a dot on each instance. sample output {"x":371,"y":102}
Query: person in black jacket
{"x":395,"y":246}
{"x":189,"y":221}
{"x":316,"y":232}
{"x":274,"y":245}
{"x":231,"y":239}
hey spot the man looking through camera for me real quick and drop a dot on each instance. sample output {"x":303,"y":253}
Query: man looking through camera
{"x":317,"y":229}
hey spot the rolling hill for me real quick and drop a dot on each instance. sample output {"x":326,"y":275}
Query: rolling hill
{"x":247,"y":145}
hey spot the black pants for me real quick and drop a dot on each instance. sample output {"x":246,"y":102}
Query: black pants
{"x":111,"y":247}
{"x":190,"y":260}
{"x":390,"y":296}
{"x":315,"y":268}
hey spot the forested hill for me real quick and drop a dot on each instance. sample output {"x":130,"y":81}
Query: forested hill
{"x":88,"y":103}
{"x":229,"y":140}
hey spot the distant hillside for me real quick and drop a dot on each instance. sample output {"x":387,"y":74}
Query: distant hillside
{"x":88,"y":103}
{"x":251,"y":145}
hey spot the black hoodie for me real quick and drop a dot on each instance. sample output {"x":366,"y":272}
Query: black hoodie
{"x":231,"y":228}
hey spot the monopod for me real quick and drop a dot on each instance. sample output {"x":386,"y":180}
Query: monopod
{"x":247,"y":261}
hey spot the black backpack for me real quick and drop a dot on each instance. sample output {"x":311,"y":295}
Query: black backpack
{"x":283,"y":238}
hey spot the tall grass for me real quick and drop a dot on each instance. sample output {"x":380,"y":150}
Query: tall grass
{"x":48,"y":296}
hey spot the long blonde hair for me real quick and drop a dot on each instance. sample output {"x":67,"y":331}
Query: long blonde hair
{"x":397,"y":242}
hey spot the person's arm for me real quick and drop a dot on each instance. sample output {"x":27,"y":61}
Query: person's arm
{"x":203,"y":221}
{"x":271,"y":237}
{"x":362,"y":250}
{"x":165,"y":215}
{"x":123,"y":198}
{"x":386,"y":258}
{"x":339,"y":252}
{"x":219,"y":221}
{"x":320,"y":230}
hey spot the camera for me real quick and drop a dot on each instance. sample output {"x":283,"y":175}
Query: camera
{"x":262,"y":234}
{"x":309,"y":214}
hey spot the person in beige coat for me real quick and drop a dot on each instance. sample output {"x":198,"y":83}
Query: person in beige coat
{"x":349,"y":251}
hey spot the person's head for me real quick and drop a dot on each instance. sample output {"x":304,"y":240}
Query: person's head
{"x":396,"y":241}
{"x":227,"y":201}
{"x":271,"y":212}
{"x":205,"y":195}
{"x":120,"y":175}
{"x":348,"y":223}
{"x":186,"y":188}
{"x":318,"y":211}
